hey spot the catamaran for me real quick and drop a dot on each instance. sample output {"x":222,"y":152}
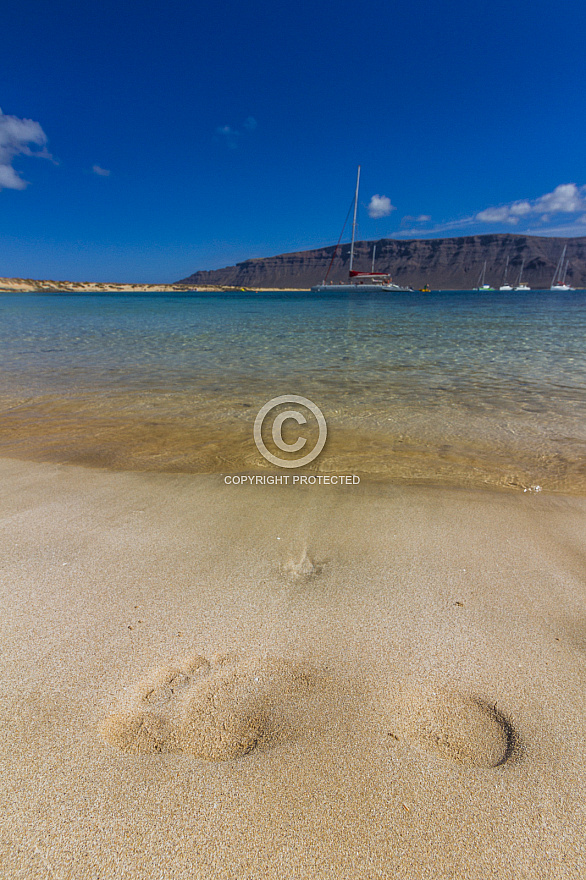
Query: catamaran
{"x":559,"y":278}
{"x":359,"y":282}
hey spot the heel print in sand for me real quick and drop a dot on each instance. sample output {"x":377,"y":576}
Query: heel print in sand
{"x":455,"y":726}
{"x":217,"y":710}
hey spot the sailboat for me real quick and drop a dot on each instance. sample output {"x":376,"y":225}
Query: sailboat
{"x":559,"y":278}
{"x":481,"y":283}
{"x":504,"y":285}
{"x":359,"y":282}
{"x":521,"y":285}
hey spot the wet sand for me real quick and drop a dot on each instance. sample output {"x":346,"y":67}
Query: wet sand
{"x":202,"y":433}
{"x":210,"y":681}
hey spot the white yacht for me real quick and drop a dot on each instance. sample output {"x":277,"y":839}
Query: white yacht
{"x":481,"y":283}
{"x":521,"y":285}
{"x":559,"y":279}
{"x":360,"y":282}
{"x":505,"y":285}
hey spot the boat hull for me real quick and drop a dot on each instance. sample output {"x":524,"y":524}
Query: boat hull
{"x":360,"y":288}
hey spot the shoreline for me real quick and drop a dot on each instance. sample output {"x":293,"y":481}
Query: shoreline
{"x":342,"y":476}
{"x":29,"y":285}
{"x":113,"y":434}
{"x":450,"y":395}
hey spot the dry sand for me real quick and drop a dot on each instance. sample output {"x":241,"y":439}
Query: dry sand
{"x":210,"y":681}
{"x":33,"y":285}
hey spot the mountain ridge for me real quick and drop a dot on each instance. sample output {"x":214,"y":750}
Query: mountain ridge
{"x":450,"y":263}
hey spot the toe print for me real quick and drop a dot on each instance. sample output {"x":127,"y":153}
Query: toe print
{"x":217,"y":710}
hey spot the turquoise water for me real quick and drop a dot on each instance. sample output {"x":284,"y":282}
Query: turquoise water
{"x":460,"y":387}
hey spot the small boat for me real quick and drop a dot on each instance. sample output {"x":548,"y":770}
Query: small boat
{"x":559,"y":279}
{"x":425,"y":289}
{"x":521,"y":285}
{"x":505,"y":285}
{"x":359,"y":282}
{"x":481,"y":283}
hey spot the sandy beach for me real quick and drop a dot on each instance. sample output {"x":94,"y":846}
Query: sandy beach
{"x":33,"y":285}
{"x":205,"y":680}
{"x":292,"y":442}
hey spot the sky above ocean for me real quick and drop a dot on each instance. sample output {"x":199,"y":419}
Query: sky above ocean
{"x":145,"y":141}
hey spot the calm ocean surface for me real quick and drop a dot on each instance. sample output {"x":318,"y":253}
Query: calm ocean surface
{"x":459,"y":388}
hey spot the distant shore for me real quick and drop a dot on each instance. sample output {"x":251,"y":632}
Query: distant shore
{"x":441,"y":263}
{"x":32,"y":285}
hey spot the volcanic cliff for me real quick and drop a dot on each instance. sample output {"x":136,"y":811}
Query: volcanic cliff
{"x":448,"y":263}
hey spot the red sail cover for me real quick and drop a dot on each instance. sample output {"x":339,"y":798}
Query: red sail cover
{"x":354,"y":274}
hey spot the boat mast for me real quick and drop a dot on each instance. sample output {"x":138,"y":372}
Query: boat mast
{"x":506,"y":271}
{"x":521,"y":272}
{"x":482,"y":276}
{"x":558,"y":270}
{"x":373,"y":256}
{"x":354,"y":219}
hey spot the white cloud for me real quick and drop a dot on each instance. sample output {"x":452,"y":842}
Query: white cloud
{"x":379,"y":206}
{"x":519,"y":209}
{"x":497,"y":215}
{"x":101,"y":172}
{"x":15,"y":136}
{"x":561,"y":212}
{"x":449,"y":226}
{"x":567,"y":198}
{"x":409,"y":218}
{"x":9,"y":179}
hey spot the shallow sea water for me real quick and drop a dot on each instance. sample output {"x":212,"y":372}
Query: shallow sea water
{"x":450,"y":388}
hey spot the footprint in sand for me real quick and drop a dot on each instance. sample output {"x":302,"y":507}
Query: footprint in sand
{"x":454,"y":726}
{"x":216,"y":709}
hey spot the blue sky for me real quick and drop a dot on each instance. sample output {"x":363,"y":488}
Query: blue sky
{"x":141,"y":141}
